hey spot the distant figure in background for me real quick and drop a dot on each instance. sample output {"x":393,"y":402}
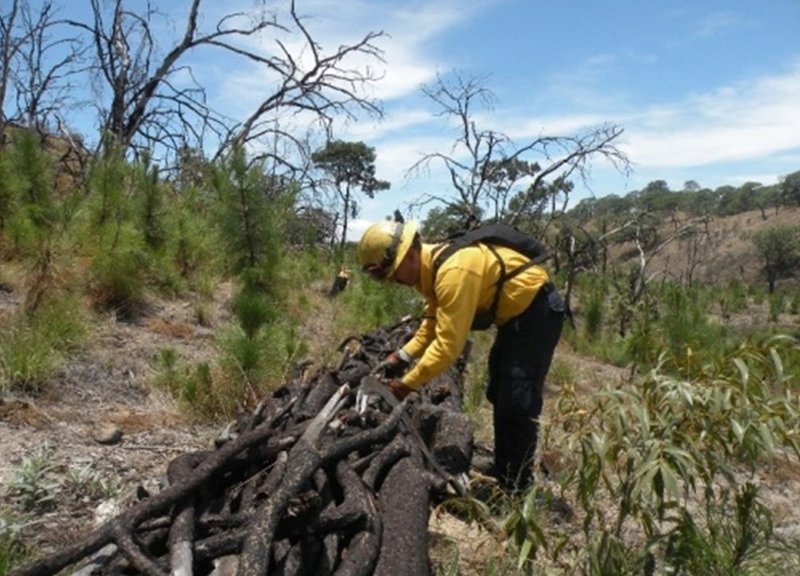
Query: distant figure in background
{"x":339,"y":283}
{"x":399,"y":217}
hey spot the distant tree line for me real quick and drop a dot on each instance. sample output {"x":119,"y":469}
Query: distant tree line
{"x":694,"y":200}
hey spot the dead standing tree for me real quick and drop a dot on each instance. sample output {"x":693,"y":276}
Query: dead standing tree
{"x":328,"y":475}
{"x":638,"y":238}
{"x":37,"y":67}
{"x":149,"y":103}
{"x":486,"y":167}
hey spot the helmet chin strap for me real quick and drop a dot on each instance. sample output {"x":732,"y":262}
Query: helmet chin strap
{"x":391,"y":251}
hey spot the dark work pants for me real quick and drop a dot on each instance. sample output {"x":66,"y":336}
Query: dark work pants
{"x":518,"y":363}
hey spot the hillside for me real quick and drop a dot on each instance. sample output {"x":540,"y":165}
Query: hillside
{"x":725,"y":251}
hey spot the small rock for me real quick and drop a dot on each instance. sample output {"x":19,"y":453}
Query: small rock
{"x":107,"y":434}
{"x":105,"y":511}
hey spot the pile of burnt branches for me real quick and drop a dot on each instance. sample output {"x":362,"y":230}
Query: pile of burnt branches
{"x":321,"y":478}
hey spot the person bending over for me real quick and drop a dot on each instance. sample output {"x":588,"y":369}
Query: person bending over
{"x":473,"y":288}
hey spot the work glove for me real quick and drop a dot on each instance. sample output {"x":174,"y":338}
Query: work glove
{"x":399,"y":389}
{"x":393,"y":365}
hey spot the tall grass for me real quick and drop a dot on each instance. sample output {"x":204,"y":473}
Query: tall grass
{"x":370,"y":304}
{"x":33,"y":346}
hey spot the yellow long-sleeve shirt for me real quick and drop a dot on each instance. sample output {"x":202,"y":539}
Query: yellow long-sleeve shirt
{"x":465,"y":284}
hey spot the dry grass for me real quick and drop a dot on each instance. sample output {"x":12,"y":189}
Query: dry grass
{"x":728,"y":252}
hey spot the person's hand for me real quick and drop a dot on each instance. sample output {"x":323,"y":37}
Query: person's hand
{"x":399,"y":389}
{"x":393,"y":365}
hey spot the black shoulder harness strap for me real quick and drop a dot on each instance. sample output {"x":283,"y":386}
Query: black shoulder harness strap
{"x":446,"y":250}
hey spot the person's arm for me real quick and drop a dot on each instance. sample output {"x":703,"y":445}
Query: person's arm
{"x":423,"y":336}
{"x":457,"y":294}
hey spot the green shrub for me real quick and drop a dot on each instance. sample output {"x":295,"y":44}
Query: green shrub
{"x":247,"y":370}
{"x":594,"y":312}
{"x":151,"y":206}
{"x":643,"y":342}
{"x":475,"y":380}
{"x":249,"y":212}
{"x":776,"y":305}
{"x":109,"y":204}
{"x":561,"y":374}
{"x":8,"y":195}
{"x":738,"y":296}
{"x":191,"y":385}
{"x":794,"y":303}
{"x":87,"y":483}
{"x":654,"y":446}
{"x":190,"y":244}
{"x":253,"y":309}
{"x":62,"y":322}
{"x":28,"y":194}
{"x":729,"y":538}
{"x":119,"y":280}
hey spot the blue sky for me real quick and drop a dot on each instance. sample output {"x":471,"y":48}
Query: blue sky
{"x":706,"y":90}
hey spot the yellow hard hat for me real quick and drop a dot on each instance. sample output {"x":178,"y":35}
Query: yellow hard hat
{"x":384,"y":245}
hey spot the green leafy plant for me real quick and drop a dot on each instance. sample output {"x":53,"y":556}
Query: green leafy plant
{"x":595,"y":312}
{"x":191,"y":384}
{"x":249,"y":209}
{"x":33,"y":484}
{"x":126,"y":235}
{"x":87,"y":482}
{"x":794,"y":303}
{"x":253,"y":310}
{"x":32,"y":212}
{"x":475,"y":380}
{"x":655,"y":447}
{"x":151,"y":209}
{"x":776,"y":305}
{"x":369,"y":304}
{"x":12,"y":548}
{"x":731,"y":539}
{"x":526,"y":530}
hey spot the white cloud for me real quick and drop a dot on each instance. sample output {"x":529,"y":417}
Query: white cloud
{"x":719,"y":23}
{"x":748,"y":120}
{"x":395,"y":158}
{"x":392,"y":123}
